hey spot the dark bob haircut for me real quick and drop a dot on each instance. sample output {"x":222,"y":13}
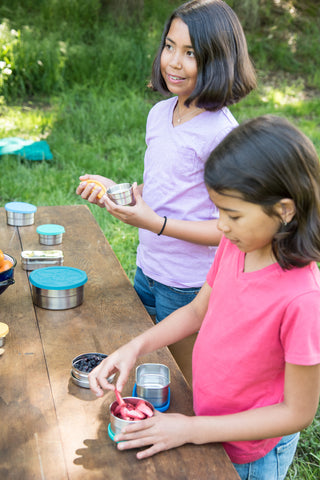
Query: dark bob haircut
{"x":266,"y":160}
{"x":225,"y":72}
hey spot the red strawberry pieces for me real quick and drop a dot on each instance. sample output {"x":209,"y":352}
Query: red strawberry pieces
{"x":131,"y":411}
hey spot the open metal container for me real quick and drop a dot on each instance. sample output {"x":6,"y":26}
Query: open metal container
{"x":33,"y":259}
{"x":83,"y":364}
{"x":58,"y":288}
{"x":116,"y":423}
{"x":4,"y":330}
{"x":20,"y":214}
{"x":152,"y":383}
{"x":50,"y":234}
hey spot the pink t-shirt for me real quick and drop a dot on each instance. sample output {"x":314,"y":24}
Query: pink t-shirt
{"x":174,"y":186}
{"x":255,"y":323}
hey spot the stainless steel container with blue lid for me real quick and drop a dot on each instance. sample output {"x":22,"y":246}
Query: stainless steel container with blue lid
{"x":20,"y":214}
{"x":58,"y":288}
{"x":50,"y":234}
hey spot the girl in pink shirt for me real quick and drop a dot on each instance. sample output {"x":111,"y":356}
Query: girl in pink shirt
{"x":256,"y":361}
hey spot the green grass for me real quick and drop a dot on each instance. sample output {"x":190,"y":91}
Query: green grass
{"x":78,"y":80}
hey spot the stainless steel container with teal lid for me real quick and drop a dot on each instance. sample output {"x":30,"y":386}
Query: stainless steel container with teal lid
{"x":20,"y":214}
{"x":50,"y":234}
{"x":58,"y":288}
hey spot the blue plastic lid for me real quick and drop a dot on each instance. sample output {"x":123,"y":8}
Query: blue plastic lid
{"x":50,"y":229}
{"x":20,"y":207}
{"x":163,"y":408}
{"x":58,"y":278}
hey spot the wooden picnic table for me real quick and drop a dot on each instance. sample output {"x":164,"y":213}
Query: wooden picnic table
{"x":50,"y":427}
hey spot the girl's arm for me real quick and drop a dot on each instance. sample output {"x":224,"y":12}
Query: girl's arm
{"x":180,"y":324}
{"x":142,"y":216}
{"x":165,"y":431}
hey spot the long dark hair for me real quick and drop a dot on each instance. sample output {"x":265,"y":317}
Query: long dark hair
{"x":225,"y":71}
{"x":268,"y":159}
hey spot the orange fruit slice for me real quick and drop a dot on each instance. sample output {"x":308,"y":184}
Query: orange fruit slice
{"x":97,"y":184}
{"x":5,"y":265}
{"x":1,"y":257}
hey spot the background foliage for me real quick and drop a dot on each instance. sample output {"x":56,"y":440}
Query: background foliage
{"x":75,"y":72}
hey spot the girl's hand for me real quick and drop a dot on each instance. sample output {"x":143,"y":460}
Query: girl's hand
{"x":162,"y":431}
{"x":139,"y":215}
{"x":122,"y":361}
{"x":88,"y":192}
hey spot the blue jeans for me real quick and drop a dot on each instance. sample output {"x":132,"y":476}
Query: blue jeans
{"x":159,"y":299}
{"x":274,"y":465}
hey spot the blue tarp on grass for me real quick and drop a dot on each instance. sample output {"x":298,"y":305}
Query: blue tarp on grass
{"x":27,"y":149}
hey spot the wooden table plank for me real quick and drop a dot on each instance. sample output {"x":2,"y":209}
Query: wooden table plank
{"x":110,"y":315}
{"x":30,"y":444}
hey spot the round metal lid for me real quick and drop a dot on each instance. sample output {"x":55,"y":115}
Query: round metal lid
{"x":20,"y":207}
{"x":50,"y":229}
{"x":58,"y":278}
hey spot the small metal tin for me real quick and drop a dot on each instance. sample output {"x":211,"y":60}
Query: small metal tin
{"x":50,"y":234}
{"x":33,"y":259}
{"x":20,"y":214}
{"x":117,"y":423}
{"x":152,"y":383}
{"x":58,"y":288}
{"x":121,"y":194}
{"x":4,"y":330}
{"x":78,"y":375}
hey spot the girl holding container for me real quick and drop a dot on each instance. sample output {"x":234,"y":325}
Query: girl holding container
{"x":204,"y":63}
{"x":256,"y":360}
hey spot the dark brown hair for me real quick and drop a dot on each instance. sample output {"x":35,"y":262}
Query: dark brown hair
{"x":225,"y":72}
{"x":266,"y":160}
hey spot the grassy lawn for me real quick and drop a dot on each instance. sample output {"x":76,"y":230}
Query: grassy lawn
{"x":79,"y":82}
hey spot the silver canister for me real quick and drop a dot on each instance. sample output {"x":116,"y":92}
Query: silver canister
{"x":58,"y":288}
{"x":50,"y":234}
{"x":117,"y":423}
{"x":83,"y":364}
{"x":33,"y":259}
{"x":121,"y":194}
{"x":20,"y":214}
{"x":152,"y":383}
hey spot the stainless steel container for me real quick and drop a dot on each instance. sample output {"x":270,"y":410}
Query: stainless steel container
{"x":20,"y":214}
{"x":58,"y":288}
{"x":117,"y":423}
{"x":152,"y":383}
{"x":83,"y":364}
{"x":33,"y":259}
{"x":121,"y":194}
{"x":50,"y":234}
{"x":4,"y":330}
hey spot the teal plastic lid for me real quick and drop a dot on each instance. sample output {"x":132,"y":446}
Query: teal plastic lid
{"x":58,"y":278}
{"x":20,"y":207}
{"x":50,"y":229}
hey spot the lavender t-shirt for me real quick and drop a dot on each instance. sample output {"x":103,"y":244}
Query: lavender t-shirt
{"x":174,"y":186}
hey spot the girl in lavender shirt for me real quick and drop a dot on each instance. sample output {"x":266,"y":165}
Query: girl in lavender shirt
{"x":203,"y":61}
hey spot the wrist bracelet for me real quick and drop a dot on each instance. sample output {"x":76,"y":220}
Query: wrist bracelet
{"x":163,"y":226}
